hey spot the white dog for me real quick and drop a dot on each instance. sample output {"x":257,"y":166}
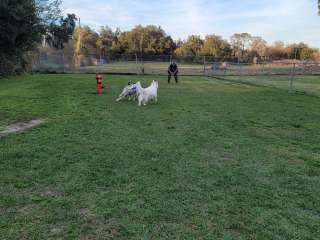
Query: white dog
{"x":147,"y":94}
{"x":130,"y":92}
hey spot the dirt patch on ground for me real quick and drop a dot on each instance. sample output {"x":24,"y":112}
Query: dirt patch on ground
{"x":27,"y":209}
{"x":21,"y":126}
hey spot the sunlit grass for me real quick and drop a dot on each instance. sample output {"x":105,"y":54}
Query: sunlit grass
{"x":212,"y":160}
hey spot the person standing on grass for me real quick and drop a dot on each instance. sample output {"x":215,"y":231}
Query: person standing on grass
{"x":173,"y":70}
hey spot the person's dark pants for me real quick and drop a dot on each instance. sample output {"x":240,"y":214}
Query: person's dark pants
{"x":175,"y":76}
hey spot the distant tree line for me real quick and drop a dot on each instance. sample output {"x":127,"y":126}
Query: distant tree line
{"x":25,"y":25}
{"x":149,"y":40}
{"x":152,"y":40}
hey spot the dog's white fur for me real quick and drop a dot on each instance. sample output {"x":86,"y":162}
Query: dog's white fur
{"x":147,"y":94}
{"x":127,"y":92}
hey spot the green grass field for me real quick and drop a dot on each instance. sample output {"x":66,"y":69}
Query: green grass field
{"x":300,"y":84}
{"x":211,"y":160}
{"x":306,"y":79}
{"x":160,"y":67}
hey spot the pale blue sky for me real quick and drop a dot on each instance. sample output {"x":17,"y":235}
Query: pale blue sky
{"x":287,"y":20}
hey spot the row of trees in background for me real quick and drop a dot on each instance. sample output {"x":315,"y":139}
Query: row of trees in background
{"x":25,"y":25}
{"x":152,"y":40}
{"x":149,"y":40}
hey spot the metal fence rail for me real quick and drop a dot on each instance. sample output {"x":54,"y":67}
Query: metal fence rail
{"x":189,"y":65}
{"x":282,"y":74}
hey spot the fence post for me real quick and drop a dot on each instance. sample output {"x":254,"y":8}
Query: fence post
{"x":292,"y":77}
{"x":39,"y":61}
{"x":312,"y":68}
{"x":142,"y":66}
{"x":240,"y":69}
{"x":137,"y":65}
{"x":263,"y":67}
{"x":204,"y":65}
{"x":63,"y":62}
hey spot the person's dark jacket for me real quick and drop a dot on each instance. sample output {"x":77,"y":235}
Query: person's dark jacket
{"x":173,"y":68}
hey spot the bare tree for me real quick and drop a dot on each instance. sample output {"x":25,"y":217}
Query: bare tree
{"x":258,"y":47}
{"x":241,"y":43}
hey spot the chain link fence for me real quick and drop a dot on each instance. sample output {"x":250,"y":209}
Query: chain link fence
{"x":294,"y":75}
